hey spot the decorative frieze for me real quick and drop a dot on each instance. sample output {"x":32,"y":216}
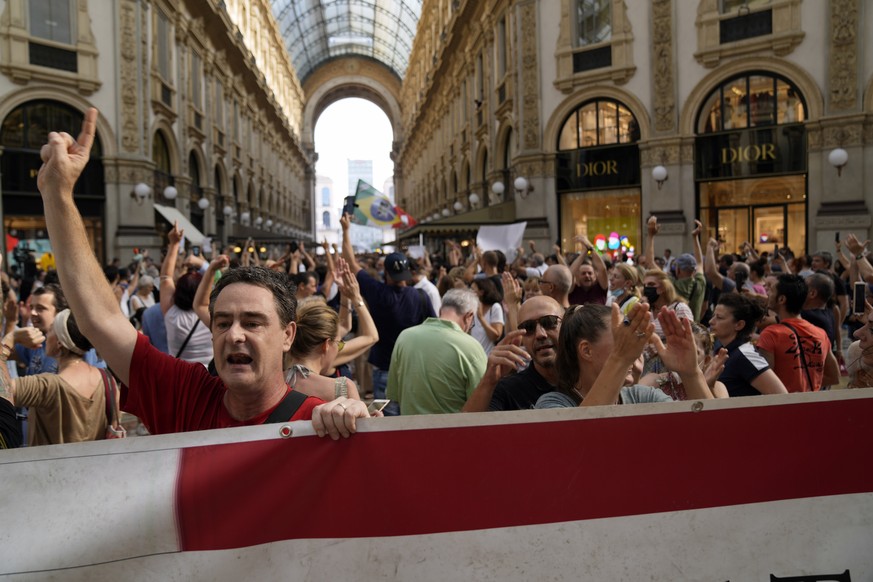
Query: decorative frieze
{"x":663,"y":65}
{"x":130,"y":136}
{"x":530,"y":79}
{"x":843,"y":62}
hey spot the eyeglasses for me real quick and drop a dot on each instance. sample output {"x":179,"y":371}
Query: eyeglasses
{"x":546,"y":283}
{"x":340,"y":344}
{"x":548,"y":323}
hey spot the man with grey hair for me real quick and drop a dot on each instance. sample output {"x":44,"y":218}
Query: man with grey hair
{"x":556,"y":283}
{"x":436,"y":366}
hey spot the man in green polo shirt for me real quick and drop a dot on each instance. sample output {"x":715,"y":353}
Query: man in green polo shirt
{"x":436,"y":366}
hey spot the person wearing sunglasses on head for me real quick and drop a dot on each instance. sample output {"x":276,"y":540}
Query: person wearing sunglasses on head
{"x":530,"y":350}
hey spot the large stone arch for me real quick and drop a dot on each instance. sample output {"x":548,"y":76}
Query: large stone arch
{"x":807,"y":85}
{"x":351,"y":77}
{"x":21,"y":96}
{"x":572,"y":102}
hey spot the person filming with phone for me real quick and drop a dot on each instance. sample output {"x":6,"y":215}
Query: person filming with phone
{"x":252,"y":319}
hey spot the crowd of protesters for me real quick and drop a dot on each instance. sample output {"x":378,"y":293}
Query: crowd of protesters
{"x":235,"y":336}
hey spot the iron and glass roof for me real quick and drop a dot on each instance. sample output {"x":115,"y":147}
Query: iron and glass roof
{"x":318,"y":30}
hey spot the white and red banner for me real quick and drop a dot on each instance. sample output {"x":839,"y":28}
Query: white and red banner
{"x":764,"y":488}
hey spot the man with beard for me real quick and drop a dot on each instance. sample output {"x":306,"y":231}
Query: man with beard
{"x":798,"y":351}
{"x":590,"y":275}
{"x":537,"y":334}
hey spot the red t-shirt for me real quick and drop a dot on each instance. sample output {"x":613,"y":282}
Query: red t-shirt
{"x":171,"y":395}
{"x":780,"y":341}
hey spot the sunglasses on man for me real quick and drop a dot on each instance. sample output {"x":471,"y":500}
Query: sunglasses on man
{"x":547,"y":322}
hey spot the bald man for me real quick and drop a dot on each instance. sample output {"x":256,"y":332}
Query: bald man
{"x":534,"y":344}
{"x":556,"y":283}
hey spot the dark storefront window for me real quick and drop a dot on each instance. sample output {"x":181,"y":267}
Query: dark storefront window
{"x":23,"y":133}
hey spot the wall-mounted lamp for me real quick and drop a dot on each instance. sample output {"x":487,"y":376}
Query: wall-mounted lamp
{"x":245,"y":217}
{"x":228,"y":211}
{"x":838,"y":158}
{"x":170,"y":193}
{"x":259,"y":221}
{"x":458,"y":206}
{"x":269,"y":223}
{"x":522,"y":187}
{"x":446,"y":211}
{"x":497,"y":189}
{"x":659,"y":175}
{"x":203,"y":203}
{"x":474,"y":200}
{"x":436,"y":216}
{"x":140,"y":192}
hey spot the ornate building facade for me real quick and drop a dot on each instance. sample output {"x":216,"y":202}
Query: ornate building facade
{"x":200,"y":118}
{"x":587,"y":116}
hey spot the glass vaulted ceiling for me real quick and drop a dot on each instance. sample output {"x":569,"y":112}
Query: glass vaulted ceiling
{"x":318,"y":30}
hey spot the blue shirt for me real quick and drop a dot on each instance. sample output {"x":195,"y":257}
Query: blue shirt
{"x":393,"y":309}
{"x":153,"y":327}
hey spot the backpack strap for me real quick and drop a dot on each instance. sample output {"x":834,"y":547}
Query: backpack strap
{"x":187,"y":339}
{"x":109,"y":392}
{"x":287,"y":408}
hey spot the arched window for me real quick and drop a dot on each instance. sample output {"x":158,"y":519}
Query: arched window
{"x":751,"y":100}
{"x":598,"y":123}
{"x":325,"y":219}
{"x":23,"y":133}
{"x":325,"y":196}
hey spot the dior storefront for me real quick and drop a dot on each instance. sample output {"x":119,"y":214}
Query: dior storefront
{"x":751,"y":163}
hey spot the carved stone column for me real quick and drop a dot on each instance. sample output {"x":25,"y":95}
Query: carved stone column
{"x":663,"y":66}
{"x":843,"y":61}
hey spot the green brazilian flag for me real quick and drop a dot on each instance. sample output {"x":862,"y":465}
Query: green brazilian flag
{"x":372,"y":208}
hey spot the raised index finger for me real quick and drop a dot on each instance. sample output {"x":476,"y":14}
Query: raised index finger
{"x":89,"y":128}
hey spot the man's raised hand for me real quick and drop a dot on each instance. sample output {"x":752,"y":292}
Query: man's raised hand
{"x":64,"y":158}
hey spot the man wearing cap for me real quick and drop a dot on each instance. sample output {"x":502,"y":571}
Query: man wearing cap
{"x":690,"y":282}
{"x":394,"y":304}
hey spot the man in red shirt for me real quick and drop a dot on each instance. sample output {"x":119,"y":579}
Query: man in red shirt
{"x":797,"y":351}
{"x":252,"y":325}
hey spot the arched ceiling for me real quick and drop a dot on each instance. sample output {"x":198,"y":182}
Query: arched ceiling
{"x":317,"y":31}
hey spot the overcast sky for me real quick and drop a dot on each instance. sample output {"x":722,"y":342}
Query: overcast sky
{"x":353,"y":129}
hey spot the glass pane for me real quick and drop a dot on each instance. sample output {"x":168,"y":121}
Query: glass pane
{"x":588,"y":125}
{"x":762,"y":104}
{"x":790,"y":107}
{"x":710,"y":116}
{"x":629,"y":129}
{"x":797,"y":227}
{"x":736,"y":103}
{"x":40,"y":16}
{"x":769,"y":224}
{"x":733,"y":229}
{"x":568,"y":139}
{"x":604,"y":217}
{"x":757,"y":192}
{"x":62,"y":22}
{"x":594,"y":22}
{"x":607,"y":112}
{"x":12,"y":133}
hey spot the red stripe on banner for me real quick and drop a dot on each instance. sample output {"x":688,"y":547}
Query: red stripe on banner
{"x":456,"y":479}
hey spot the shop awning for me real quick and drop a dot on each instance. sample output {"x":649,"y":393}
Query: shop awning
{"x":172,"y":215}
